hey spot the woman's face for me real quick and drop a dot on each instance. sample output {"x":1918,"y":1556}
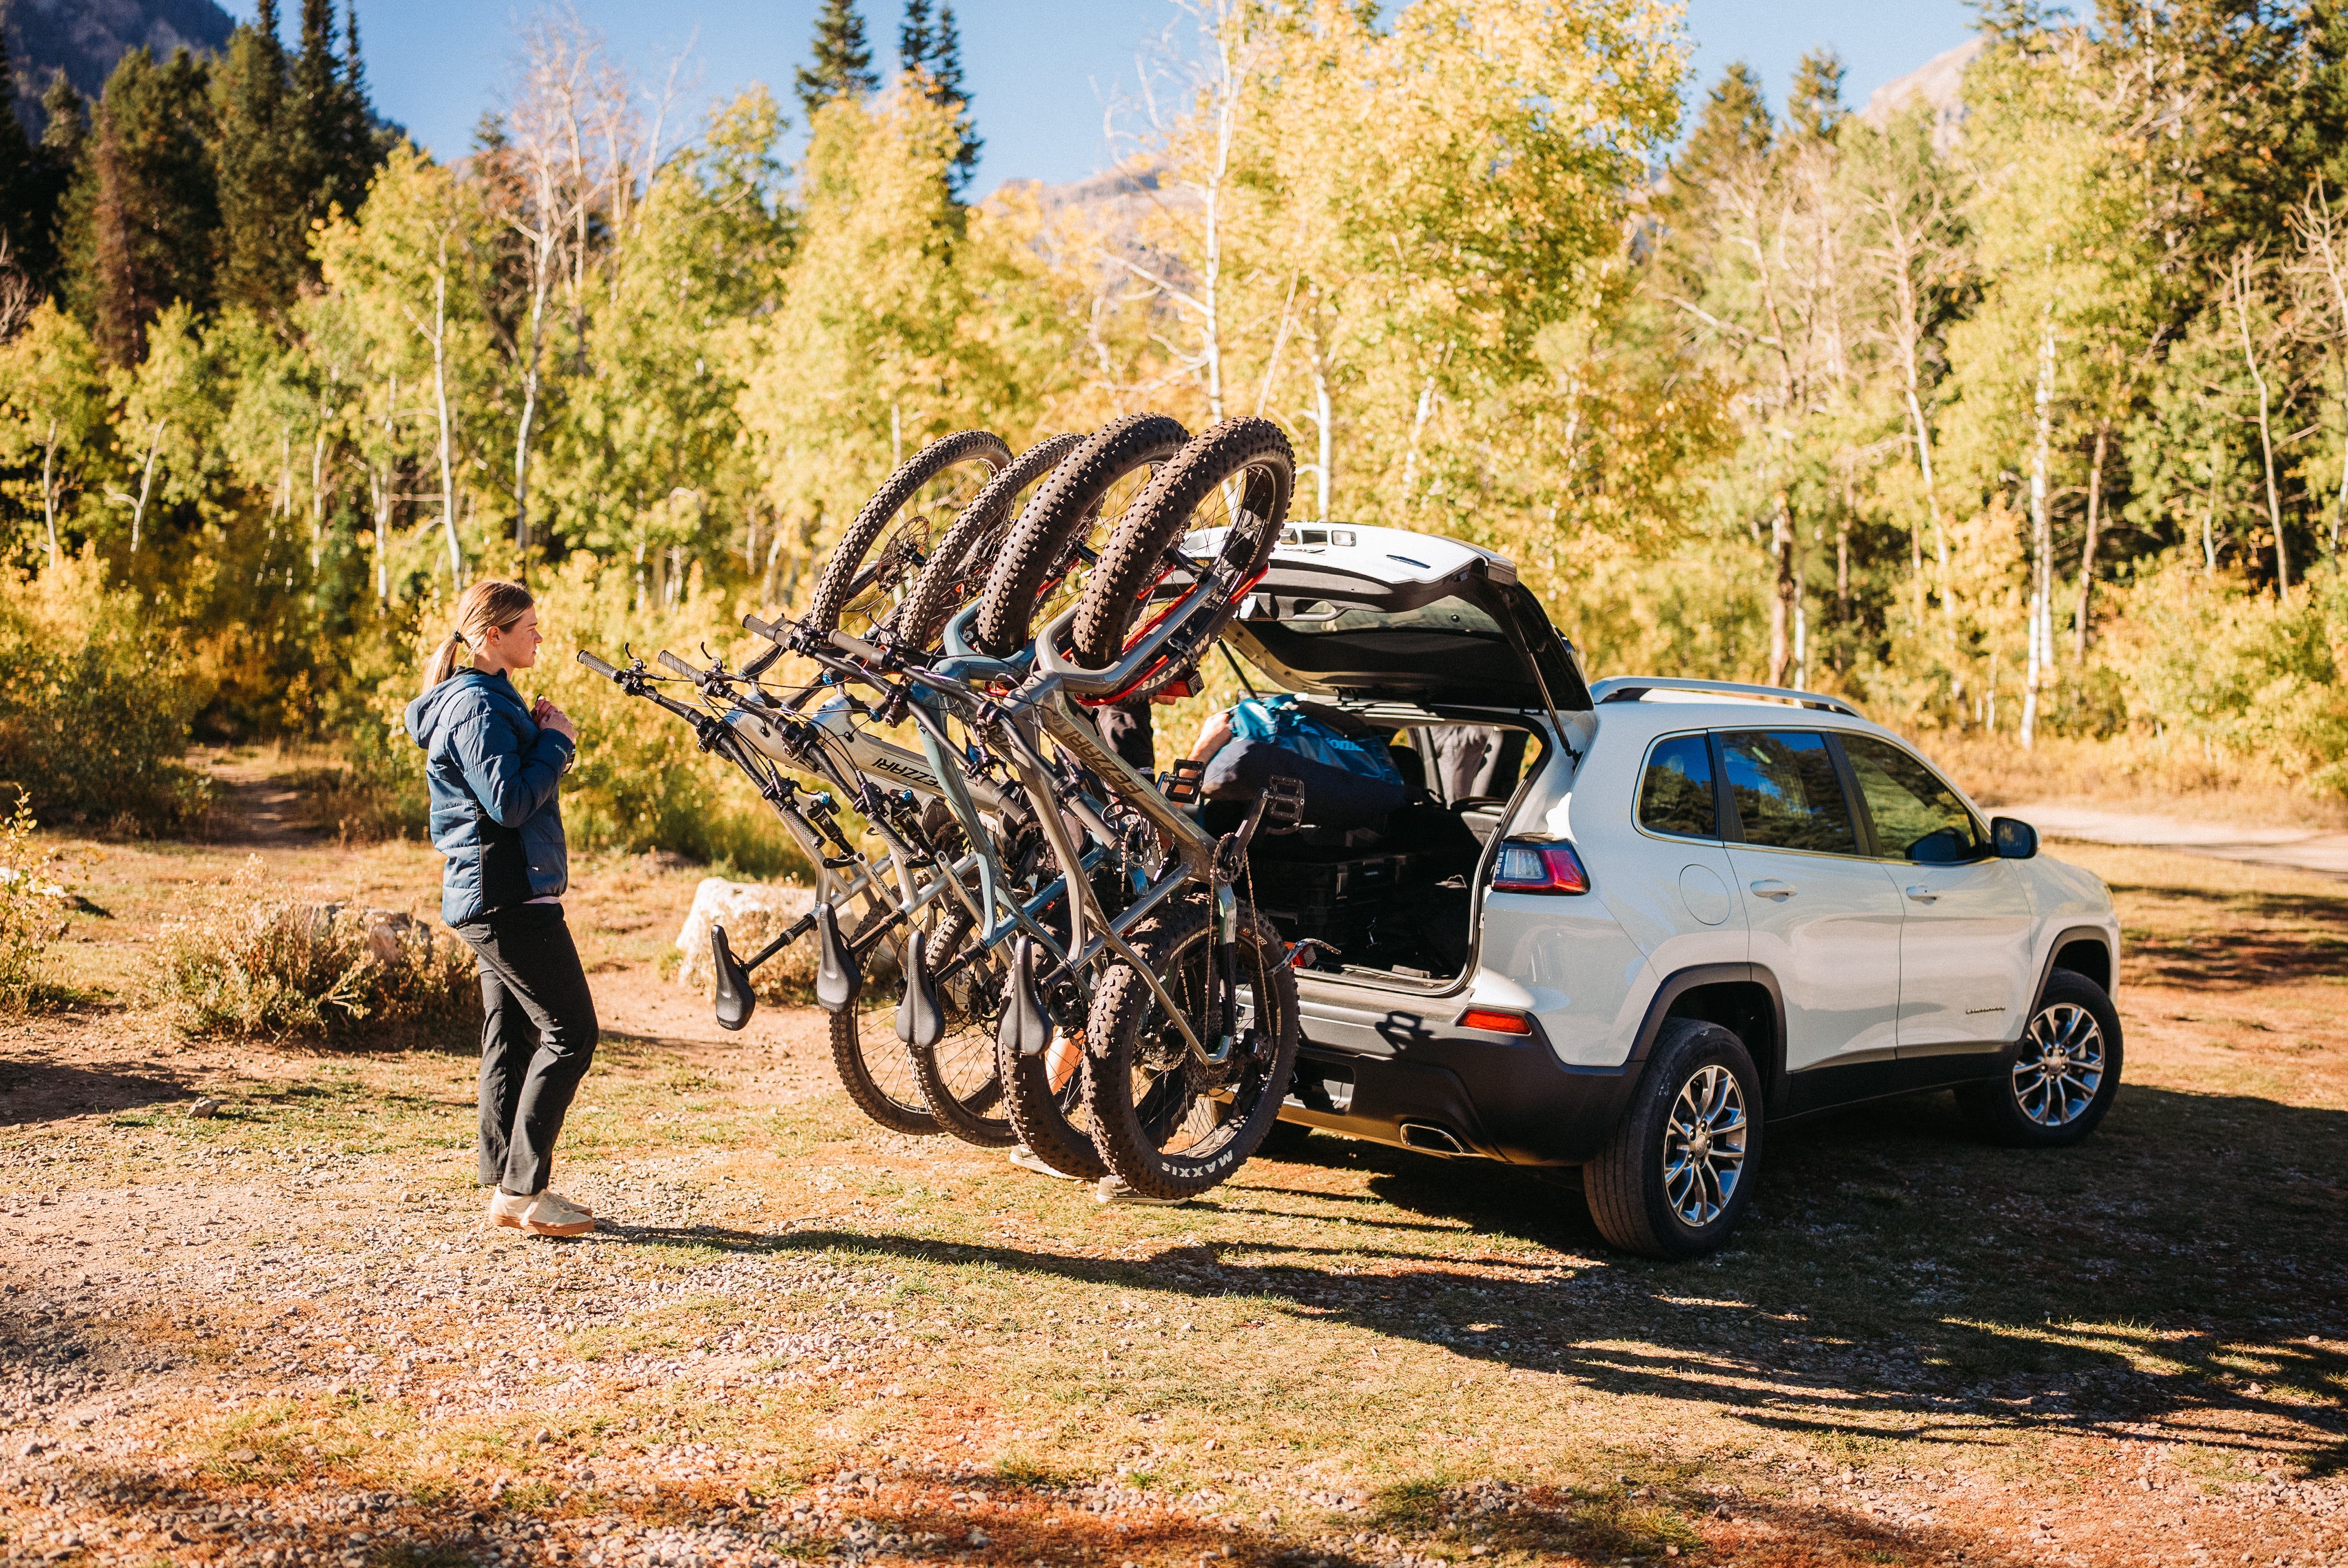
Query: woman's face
{"x":515,"y":647}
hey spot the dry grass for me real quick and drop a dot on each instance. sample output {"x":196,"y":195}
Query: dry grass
{"x":804,"y":1331}
{"x":2129,"y":774}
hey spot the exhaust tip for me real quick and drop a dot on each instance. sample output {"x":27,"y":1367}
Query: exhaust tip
{"x":1428,"y":1138}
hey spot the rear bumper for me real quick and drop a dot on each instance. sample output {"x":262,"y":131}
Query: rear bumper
{"x":1406,"y":1080}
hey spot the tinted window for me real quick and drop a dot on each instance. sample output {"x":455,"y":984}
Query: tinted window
{"x":1787,"y":794}
{"x":1675,"y":792}
{"x":1916,"y":815}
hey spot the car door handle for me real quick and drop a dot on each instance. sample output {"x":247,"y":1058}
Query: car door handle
{"x":1770,"y":888}
{"x":1922,"y":894}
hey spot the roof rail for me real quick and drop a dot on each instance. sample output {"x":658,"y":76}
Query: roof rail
{"x":1631,"y":688}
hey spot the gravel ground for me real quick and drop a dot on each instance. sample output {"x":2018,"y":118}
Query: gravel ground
{"x":279,"y":1333}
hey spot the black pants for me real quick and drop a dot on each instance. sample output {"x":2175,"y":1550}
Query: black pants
{"x":538,"y":1035}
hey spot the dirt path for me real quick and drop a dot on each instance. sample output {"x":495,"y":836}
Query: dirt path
{"x":2306,"y":849}
{"x":257,"y":808}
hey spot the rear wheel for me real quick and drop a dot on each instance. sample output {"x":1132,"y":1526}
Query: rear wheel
{"x":875,"y":1068}
{"x":1172,"y":1120}
{"x":1063,"y":528}
{"x":959,"y":565}
{"x":2059,"y":1078}
{"x":881,"y":553}
{"x":1235,"y":478}
{"x":959,"y":1076}
{"x":1678,"y":1173}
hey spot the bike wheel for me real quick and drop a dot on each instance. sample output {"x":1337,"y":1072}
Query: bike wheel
{"x":875,"y":1067}
{"x":878,"y":558}
{"x":1064,"y":526}
{"x":1170,"y":1121}
{"x":966,"y":553}
{"x":1236,"y":477}
{"x":1055,"y":1121}
{"x":959,"y":1076}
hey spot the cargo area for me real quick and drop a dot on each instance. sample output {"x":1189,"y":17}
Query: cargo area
{"x":1398,"y":895}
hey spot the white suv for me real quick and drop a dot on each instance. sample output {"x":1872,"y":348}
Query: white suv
{"x":1630,"y":927}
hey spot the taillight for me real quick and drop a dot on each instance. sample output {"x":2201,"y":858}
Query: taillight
{"x":1539,"y":868}
{"x":1498,"y":1020}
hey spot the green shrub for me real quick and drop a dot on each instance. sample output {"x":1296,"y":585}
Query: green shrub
{"x":32,"y":909}
{"x":256,"y":967}
{"x":95,"y":702}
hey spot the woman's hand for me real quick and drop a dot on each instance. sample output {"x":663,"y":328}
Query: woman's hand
{"x":547,"y":716}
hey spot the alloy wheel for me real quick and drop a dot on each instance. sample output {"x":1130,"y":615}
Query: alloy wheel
{"x":2061,"y":1066}
{"x":1704,"y":1145}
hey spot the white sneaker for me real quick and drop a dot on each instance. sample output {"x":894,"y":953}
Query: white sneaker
{"x":1026,"y":1159}
{"x":1114,"y":1191}
{"x":540,"y":1214}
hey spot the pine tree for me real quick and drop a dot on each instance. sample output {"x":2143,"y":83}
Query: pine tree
{"x":20,"y":180}
{"x":945,"y":72}
{"x":143,"y":215}
{"x":263,"y":208}
{"x":1815,"y":105}
{"x":842,"y":67}
{"x":931,"y":47}
{"x":917,"y":37}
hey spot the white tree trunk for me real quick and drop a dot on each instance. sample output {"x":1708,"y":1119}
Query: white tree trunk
{"x":2042,"y":548}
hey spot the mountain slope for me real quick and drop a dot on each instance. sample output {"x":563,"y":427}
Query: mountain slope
{"x":85,"y":37}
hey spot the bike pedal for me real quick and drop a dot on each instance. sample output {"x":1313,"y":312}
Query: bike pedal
{"x":1283,"y":803}
{"x":1181,"y":785}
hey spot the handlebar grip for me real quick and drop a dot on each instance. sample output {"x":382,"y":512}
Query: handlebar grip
{"x":771,"y":630}
{"x":670,"y":661}
{"x":597,"y":665}
{"x":857,"y":646}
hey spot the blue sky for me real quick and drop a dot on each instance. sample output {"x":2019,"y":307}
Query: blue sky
{"x":1041,"y":71}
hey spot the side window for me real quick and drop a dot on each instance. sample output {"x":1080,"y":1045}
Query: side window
{"x":1675,"y":790}
{"x":1787,"y":794}
{"x":1916,"y":815}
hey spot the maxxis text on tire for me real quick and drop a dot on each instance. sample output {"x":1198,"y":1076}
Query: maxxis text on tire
{"x":1034,"y":553}
{"x":1629,"y":1186}
{"x":1177,"y":945}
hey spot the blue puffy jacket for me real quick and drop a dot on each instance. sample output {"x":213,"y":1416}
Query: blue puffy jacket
{"x":493,"y":775}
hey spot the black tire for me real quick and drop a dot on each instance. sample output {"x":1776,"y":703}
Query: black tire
{"x":1645,"y":1195}
{"x":959,"y":566}
{"x":2074,"y":1024}
{"x":1170,"y":1124}
{"x":1056,"y":1126}
{"x":1254,"y":453}
{"x":875,"y":1068}
{"x":1041,"y":549}
{"x":960,"y":1076}
{"x":895,"y":562}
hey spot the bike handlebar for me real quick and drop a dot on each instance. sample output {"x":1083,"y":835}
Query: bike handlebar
{"x":670,"y":661}
{"x":597,"y":665}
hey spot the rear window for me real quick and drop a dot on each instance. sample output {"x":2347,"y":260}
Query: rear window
{"x":1675,"y":790}
{"x":1787,"y":794}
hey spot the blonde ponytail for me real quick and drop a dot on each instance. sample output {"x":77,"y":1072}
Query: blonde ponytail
{"x":489,"y":605}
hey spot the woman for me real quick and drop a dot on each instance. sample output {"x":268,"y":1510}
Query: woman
{"x":494,"y":763}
